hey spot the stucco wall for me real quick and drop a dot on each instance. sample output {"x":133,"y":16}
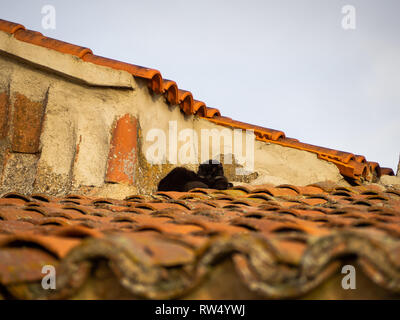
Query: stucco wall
{"x":76,"y":114}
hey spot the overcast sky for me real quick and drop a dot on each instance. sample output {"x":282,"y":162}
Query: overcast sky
{"x":282,"y":64}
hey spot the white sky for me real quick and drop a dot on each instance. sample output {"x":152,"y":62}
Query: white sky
{"x":282,"y":64}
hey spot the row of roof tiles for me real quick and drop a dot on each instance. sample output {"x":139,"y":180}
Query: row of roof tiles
{"x":350,"y":165}
{"x":283,"y":240}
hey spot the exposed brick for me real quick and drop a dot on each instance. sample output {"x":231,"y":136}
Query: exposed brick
{"x":4,"y":112}
{"x":123,"y":152}
{"x":27,"y":124}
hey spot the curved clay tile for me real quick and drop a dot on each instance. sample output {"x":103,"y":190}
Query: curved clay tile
{"x":16,"y":195}
{"x":41,"y":197}
{"x":170,"y":90}
{"x":291,"y":139}
{"x":54,"y":221}
{"x":199,"y":108}
{"x":212,"y":112}
{"x":352,"y":169}
{"x":10,"y":27}
{"x":360,"y":158}
{"x":37,"y":38}
{"x":57,"y":246}
{"x":360,"y":169}
{"x":65,"y":47}
{"x":260,"y":132}
{"x":77,"y":231}
{"x":387,"y":171}
{"x":342,"y":156}
{"x":154,"y":76}
{"x":375,"y":168}
{"x":322,"y":230}
{"x":186,"y":101}
{"x":30,"y":36}
{"x":289,"y":186}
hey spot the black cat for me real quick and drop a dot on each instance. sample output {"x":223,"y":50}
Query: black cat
{"x":212,"y":172}
{"x":209,"y":175}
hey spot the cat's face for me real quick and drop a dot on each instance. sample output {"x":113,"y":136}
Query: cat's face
{"x":210,"y":169}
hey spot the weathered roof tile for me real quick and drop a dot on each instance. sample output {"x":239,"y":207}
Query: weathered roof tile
{"x":311,"y":232}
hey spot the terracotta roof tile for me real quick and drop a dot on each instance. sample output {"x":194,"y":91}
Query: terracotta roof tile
{"x":170,"y":89}
{"x":350,"y":165}
{"x":152,"y":75}
{"x":37,"y":38}
{"x":26,"y":264}
{"x":165,"y":245}
{"x":186,"y":101}
{"x":10,"y":27}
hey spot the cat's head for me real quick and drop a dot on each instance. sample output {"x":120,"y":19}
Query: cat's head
{"x":210,"y":169}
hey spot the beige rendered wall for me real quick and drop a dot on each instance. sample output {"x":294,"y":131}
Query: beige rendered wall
{"x":82,"y":102}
